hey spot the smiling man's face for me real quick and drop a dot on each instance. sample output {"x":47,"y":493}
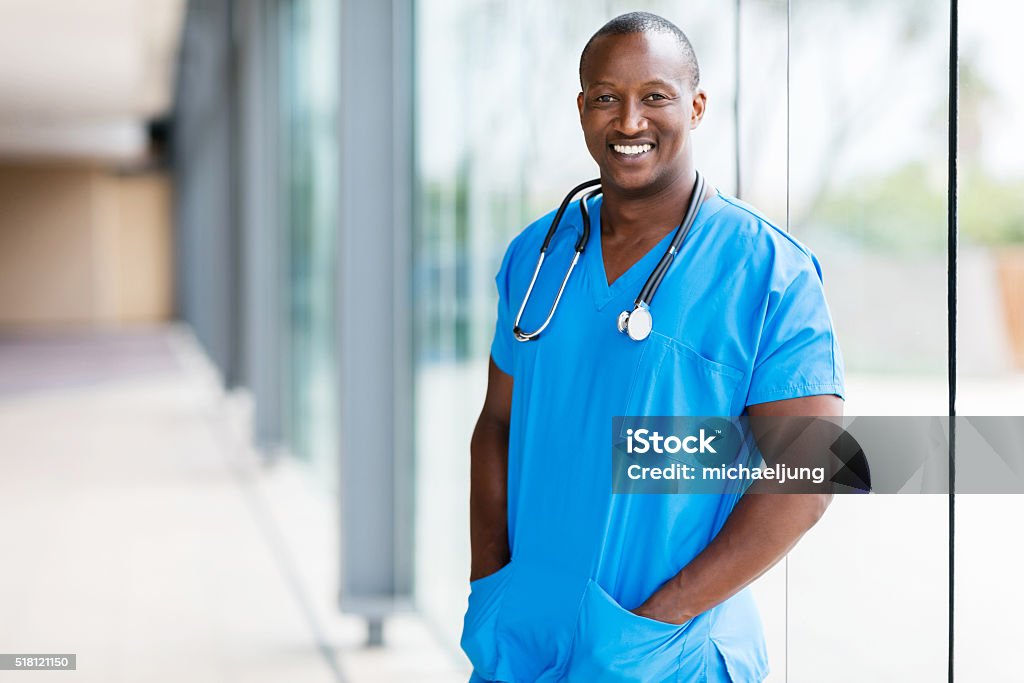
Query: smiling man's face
{"x":637,"y":111}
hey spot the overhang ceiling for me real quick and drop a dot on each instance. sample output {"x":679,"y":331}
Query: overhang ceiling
{"x":81,"y":78}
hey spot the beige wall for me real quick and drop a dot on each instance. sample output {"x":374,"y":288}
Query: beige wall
{"x":82,"y":245}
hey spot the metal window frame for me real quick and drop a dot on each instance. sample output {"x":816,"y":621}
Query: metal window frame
{"x":374,"y":310}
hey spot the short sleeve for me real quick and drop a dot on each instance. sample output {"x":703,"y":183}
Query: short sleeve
{"x":501,"y":347}
{"x":797,"y":354}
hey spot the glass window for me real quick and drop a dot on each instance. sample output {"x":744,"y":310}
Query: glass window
{"x":841,"y":139}
{"x":990,"y":325}
{"x":309,"y":105}
{"x":867,"y":191}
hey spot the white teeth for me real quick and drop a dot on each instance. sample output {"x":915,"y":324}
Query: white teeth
{"x":632,"y":149}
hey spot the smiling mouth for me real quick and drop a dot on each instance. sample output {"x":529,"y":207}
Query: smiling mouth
{"x":632,"y":151}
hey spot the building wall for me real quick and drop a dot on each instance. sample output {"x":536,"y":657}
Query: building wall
{"x":80,"y":245}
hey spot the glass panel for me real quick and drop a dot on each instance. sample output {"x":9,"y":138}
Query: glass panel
{"x":762,"y":163}
{"x":990,"y":325}
{"x":762,"y":98}
{"x":310,"y":156}
{"x":497,"y":146}
{"x":868,"y":585}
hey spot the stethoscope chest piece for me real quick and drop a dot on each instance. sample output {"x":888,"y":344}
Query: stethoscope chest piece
{"x":636,"y":323}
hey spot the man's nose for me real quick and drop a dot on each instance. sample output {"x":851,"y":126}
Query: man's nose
{"x":632,"y":120}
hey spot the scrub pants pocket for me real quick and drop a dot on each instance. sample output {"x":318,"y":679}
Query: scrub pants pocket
{"x":738,"y":639}
{"x":717,"y":669}
{"x":613,"y":645}
{"x":479,"y":628}
{"x":731,"y":670}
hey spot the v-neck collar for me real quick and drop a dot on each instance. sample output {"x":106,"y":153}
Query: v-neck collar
{"x":635,"y":276}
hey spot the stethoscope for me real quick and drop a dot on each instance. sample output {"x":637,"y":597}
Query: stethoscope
{"x":637,"y":323}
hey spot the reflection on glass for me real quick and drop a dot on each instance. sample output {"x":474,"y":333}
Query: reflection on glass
{"x":310,"y":152}
{"x":762,"y":166}
{"x":990,"y":320}
{"x":868,"y":585}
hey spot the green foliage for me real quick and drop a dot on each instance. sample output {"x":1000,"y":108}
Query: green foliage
{"x":991,"y":213}
{"x":905,"y":211}
{"x":902,"y":212}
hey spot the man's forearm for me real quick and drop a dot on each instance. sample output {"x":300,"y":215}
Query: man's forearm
{"x":760,"y":531}
{"x":488,"y":498}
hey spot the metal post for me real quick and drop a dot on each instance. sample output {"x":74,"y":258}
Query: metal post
{"x":374,"y":311}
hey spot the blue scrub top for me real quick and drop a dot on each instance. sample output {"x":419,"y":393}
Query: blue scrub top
{"x":740,"y":319}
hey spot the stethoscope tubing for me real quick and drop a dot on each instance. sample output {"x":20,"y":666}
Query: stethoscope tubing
{"x":581,"y":244}
{"x":646,"y":295}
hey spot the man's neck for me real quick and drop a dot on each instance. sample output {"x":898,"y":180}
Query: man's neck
{"x":627,"y":218}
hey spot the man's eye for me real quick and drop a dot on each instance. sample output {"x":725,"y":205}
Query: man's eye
{"x":656,"y":96}
{"x":604,"y":98}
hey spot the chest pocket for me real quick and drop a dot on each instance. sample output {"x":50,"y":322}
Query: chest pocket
{"x":673,"y":379}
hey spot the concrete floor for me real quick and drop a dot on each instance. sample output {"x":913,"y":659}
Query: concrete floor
{"x":142,"y":534}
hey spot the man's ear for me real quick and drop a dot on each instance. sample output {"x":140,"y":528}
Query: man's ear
{"x":700,"y":101}
{"x":579,"y":104}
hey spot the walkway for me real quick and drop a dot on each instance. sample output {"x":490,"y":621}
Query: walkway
{"x":142,"y":534}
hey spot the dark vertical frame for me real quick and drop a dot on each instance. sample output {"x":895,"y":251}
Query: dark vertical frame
{"x":951,"y":302}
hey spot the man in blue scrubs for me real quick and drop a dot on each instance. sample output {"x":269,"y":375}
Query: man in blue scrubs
{"x":570,"y":582}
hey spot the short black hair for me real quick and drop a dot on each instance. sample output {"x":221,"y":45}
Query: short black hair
{"x":646,"y":22}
